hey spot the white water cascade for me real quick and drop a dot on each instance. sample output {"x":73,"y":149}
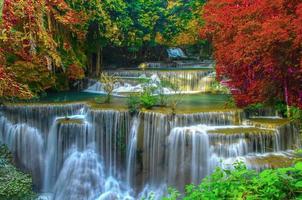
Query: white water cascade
{"x":130,"y":81}
{"x":131,"y":151}
{"x":76,"y":152}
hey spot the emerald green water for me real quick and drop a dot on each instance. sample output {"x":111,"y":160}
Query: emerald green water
{"x":189,"y":102}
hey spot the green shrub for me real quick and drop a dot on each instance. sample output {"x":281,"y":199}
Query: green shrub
{"x":242,"y":183}
{"x":133,"y":103}
{"x":148,"y":100}
{"x":14,"y":184}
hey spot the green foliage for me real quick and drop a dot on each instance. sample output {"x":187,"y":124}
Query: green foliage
{"x":14,"y":185}
{"x":133,"y":103}
{"x":254,"y":107}
{"x":216,"y":88}
{"x":147,"y":99}
{"x":242,"y":183}
{"x":108,"y":82}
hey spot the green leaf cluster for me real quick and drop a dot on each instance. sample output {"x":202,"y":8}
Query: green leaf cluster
{"x":242,"y":183}
{"x":14,"y":184}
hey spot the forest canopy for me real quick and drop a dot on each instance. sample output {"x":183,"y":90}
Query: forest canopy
{"x":257,"y":44}
{"x":52,"y":36}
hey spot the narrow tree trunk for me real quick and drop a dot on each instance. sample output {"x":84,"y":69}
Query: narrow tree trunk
{"x":49,"y":22}
{"x":286,"y":98}
{"x":101,"y":63}
{"x":90,"y":64}
{"x":98,"y":62}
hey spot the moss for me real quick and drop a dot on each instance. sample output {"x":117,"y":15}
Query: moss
{"x":268,"y":122}
{"x":240,"y":130}
{"x":71,"y":121}
{"x":273,"y":161}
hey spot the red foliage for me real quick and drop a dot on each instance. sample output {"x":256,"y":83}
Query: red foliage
{"x":258,"y":46}
{"x":9,"y":88}
{"x":75,"y":72}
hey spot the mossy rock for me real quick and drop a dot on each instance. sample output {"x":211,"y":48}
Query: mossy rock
{"x":240,"y":130}
{"x":271,"y":123}
{"x":273,"y":161}
{"x":67,"y":120}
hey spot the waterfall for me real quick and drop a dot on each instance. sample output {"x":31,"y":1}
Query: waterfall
{"x":65,"y":134}
{"x":176,"y":53}
{"x":183,"y":159}
{"x":131,"y":151}
{"x":76,"y":152}
{"x":188,"y":81}
{"x":111,"y":130}
{"x":82,"y":177}
{"x":156,"y":129}
{"x":26,"y":145}
{"x":39,"y":116}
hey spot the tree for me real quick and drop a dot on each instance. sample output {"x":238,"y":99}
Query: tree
{"x":257,"y":48}
{"x":9,"y":88}
{"x":45,"y":33}
{"x":108,"y":82}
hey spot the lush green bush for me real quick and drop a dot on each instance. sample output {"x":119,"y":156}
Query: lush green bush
{"x":133,"y":103}
{"x":148,"y":100}
{"x":14,"y":185}
{"x":242,"y":183}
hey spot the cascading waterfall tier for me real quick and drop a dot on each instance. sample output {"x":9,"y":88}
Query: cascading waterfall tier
{"x":189,"y":81}
{"x":75,"y":152}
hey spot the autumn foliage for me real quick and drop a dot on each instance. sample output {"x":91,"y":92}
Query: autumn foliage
{"x":75,"y":72}
{"x":258,"y":46}
{"x":9,"y":88}
{"x":33,"y":39}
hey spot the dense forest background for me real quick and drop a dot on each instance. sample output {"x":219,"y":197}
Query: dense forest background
{"x":48,"y":44}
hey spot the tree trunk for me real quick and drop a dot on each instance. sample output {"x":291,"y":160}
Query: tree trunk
{"x":98,"y":62}
{"x":286,"y":98}
{"x":101,"y":63}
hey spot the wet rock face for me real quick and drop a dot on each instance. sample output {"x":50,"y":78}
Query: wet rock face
{"x":77,"y":152}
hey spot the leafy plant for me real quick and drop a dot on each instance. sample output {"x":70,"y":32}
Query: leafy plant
{"x":108,"y":82}
{"x":175,"y":98}
{"x":133,"y":103}
{"x":242,"y":183}
{"x":14,"y":185}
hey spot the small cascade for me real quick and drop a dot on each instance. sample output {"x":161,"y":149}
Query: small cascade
{"x":187,"y":164}
{"x":82,"y":177}
{"x":131,"y":151}
{"x":209,"y":118}
{"x":196,"y":151}
{"x":65,"y":134}
{"x":176,"y":53}
{"x":156,"y":129}
{"x":111,"y":130}
{"x":188,"y":81}
{"x":40,"y":116}
{"x":26,"y":144}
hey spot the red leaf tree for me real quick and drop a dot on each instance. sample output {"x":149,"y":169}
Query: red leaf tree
{"x":258,"y":48}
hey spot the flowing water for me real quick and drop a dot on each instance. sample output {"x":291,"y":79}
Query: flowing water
{"x":188,"y":81}
{"x":76,"y":152}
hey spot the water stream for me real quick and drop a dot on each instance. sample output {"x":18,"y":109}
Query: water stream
{"x":74,"y":152}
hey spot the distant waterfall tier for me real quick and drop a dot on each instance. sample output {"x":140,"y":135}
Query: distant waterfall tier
{"x":111,"y":154}
{"x":189,"y":81}
{"x":195,"y":151}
